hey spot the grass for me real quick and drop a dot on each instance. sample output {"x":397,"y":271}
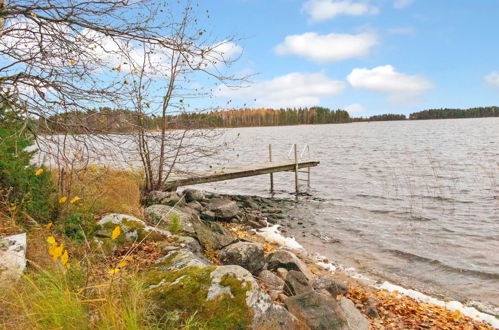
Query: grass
{"x":85,"y":296}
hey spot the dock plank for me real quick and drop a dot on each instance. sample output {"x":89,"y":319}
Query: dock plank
{"x":237,"y":172}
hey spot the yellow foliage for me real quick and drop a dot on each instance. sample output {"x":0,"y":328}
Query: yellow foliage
{"x":113,"y":271}
{"x":116,"y":232}
{"x":75,"y":199}
{"x":51,"y":240}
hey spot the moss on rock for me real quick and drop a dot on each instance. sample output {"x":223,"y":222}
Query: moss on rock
{"x":186,"y":291}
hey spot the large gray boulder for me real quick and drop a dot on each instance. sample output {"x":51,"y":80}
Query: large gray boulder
{"x":317,"y":310}
{"x":355,"y":320}
{"x":296,"y":283}
{"x":334,"y":287}
{"x":245,"y":254}
{"x":132,"y":230}
{"x":266,"y":314}
{"x":164,"y":215}
{"x":180,"y":259}
{"x":287,"y":260}
{"x":271,"y":280}
{"x":12,"y":258}
{"x":193,"y":195}
{"x":221,"y":209}
{"x":212,"y":235}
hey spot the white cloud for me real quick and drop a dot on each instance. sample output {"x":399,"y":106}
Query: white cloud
{"x":322,"y":10}
{"x":329,"y":47}
{"x":291,"y":90}
{"x":402,"y":89}
{"x":355,"y":108}
{"x":399,"y":4}
{"x":492,"y":79}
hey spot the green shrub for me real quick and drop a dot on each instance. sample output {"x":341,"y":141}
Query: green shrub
{"x":175,"y":225}
{"x":79,"y":225}
{"x":29,"y":192}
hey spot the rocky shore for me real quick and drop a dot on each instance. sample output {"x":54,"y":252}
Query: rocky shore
{"x":219,"y":257}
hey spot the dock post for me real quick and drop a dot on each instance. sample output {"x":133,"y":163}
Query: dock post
{"x":308,"y":177}
{"x":296,"y":170}
{"x":271,"y":174}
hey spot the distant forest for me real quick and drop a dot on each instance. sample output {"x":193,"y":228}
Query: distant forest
{"x":446,"y":113}
{"x":108,"y":120}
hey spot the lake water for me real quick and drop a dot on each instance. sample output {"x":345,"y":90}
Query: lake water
{"x":412,"y":202}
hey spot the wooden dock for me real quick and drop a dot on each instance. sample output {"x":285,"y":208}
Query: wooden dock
{"x":243,"y":171}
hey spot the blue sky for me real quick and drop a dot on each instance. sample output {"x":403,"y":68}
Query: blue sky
{"x":370,"y":56}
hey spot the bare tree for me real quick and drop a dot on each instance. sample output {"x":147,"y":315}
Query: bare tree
{"x":70,"y":56}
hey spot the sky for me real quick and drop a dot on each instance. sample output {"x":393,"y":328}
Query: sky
{"x":366,"y":56}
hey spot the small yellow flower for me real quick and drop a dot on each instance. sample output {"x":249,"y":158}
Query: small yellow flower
{"x":49,"y":225}
{"x":64,"y":258}
{"x":113,"y":271}
{"x":57,"y":252}
{"x":39,"y":171}
{"x":116,"y":232}
{"x":123,"y":264}
{"x":75,"y":199}
{"x":63,"y":200}
{"x":51,"y":240}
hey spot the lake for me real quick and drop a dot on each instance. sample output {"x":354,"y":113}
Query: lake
{"x":412,"y":202}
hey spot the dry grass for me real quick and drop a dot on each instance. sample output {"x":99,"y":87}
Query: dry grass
{"x":104,"y":190}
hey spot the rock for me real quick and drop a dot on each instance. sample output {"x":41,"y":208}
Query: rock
{"x":317,"y":310}
{"x":196,"y":206}
{"x":372,"y":312}
{"x":164,"y":215}
{"x":265,"y":313}
{"x":212,"y":235}
{"x":12,"y":258}
{"x":132,"y":230}
{"x":193,"y":195}
{"x":282,"y":273}
{"x":163,"y":197}
{"x":190,"y":244}
{"x":334,"y":287}
{"x":274,"y":294}
{"x":271,"y":280}
{"x":372,"y":307}
{"x":289,"y":261}
{"x":296,"y":283}
{"x":180,"y":259}
{"x":223,"y":209}
{"x":248,"y":201}
{"x":245,"y":254}
{"x":157,"y":197}
{"x":355,"y":320}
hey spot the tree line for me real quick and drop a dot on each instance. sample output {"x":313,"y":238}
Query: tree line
{"x":447,"y":113}
{"x":106,"y":120}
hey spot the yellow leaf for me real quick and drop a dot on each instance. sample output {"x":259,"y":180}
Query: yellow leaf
{"x":72,"y":62}
{"x":64,"y":258}
{"x":63,"y":199}
{"x":123,"y":264}
{"x":118,"y":68}
{"x":51,"y":240}
{"x":57,"y":252}
{"x":33,"y":14}
{"x":113,"y":271}
{"x":75,"y":199}
{"x":116,"y":232}
{"x":39,"y":171}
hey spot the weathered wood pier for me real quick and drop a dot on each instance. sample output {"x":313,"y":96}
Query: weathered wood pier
{"x":229,"y":173}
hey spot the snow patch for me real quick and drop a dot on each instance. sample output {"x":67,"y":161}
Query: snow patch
{"x":272,"y":235}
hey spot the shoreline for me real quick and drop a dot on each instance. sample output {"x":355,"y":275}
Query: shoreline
{"x":270,"y":234}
